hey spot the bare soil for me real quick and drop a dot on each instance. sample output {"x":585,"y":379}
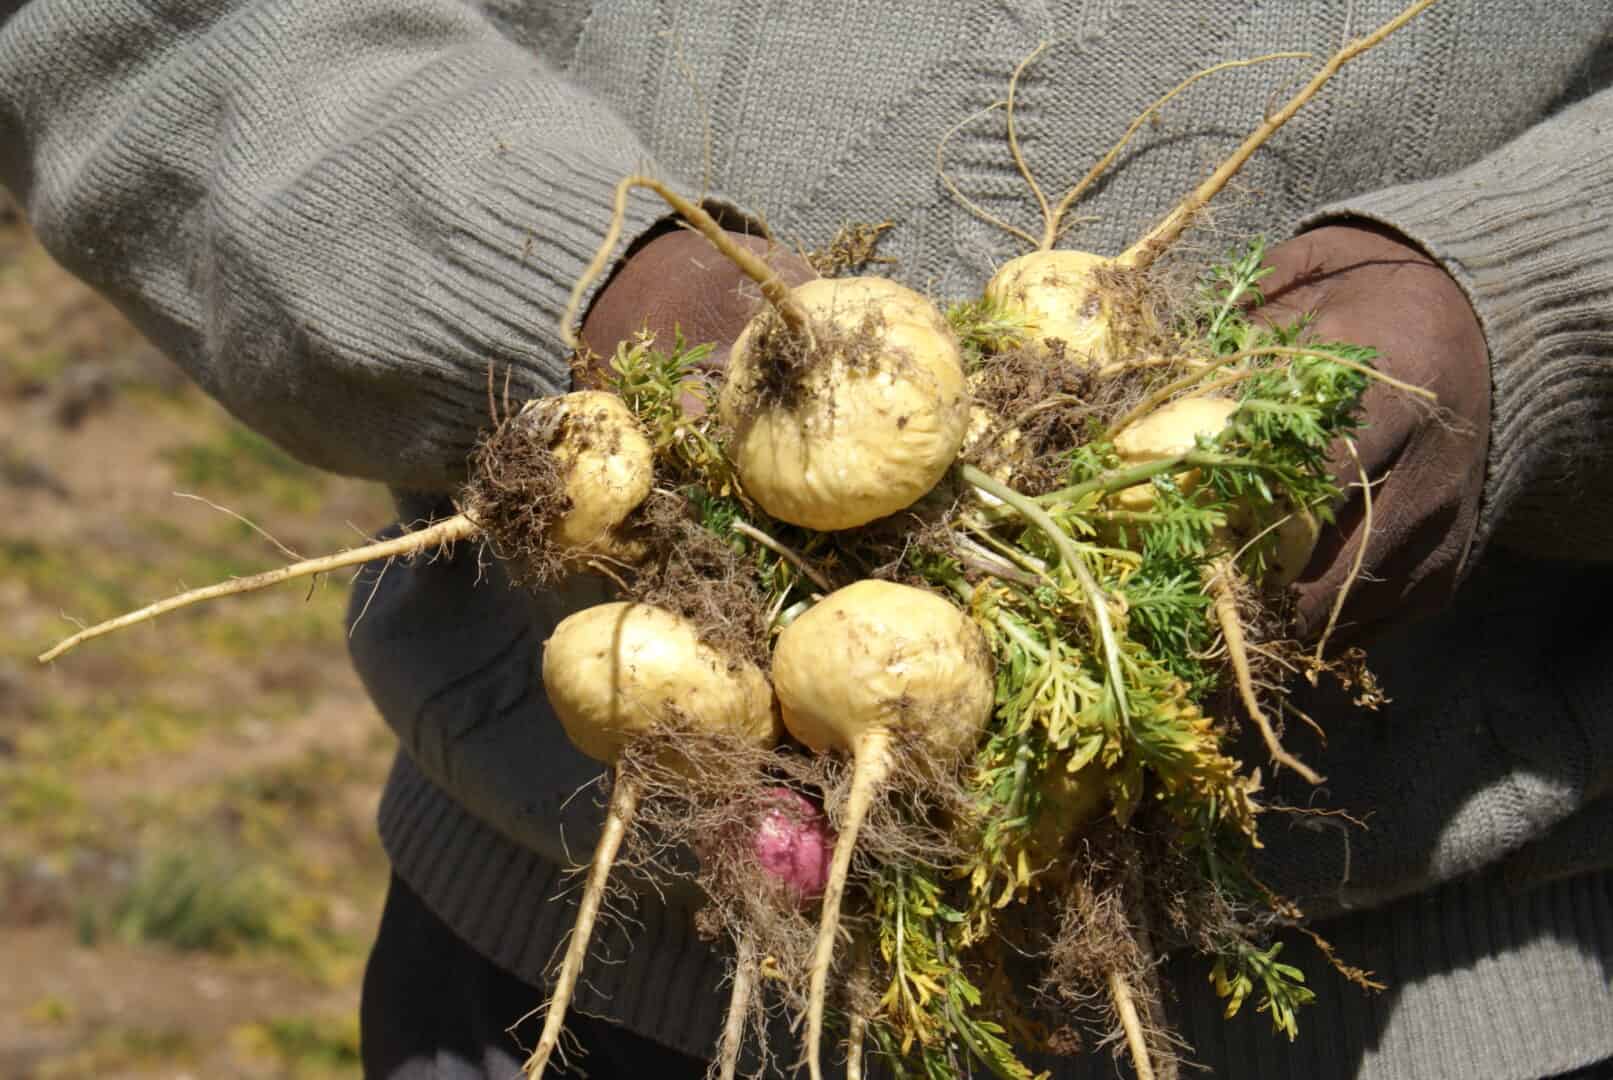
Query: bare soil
{"x":227,"y":748}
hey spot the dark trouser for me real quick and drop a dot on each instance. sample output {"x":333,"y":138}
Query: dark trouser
{"x":434,"y":1009}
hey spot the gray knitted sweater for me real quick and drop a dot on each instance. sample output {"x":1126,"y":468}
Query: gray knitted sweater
{"x":337,"y":215}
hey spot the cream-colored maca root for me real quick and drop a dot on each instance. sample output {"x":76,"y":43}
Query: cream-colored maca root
{"x":616,"y":671}
{"x":866,"y":664}
{"x":1170,"y":430}
{"x":870,"y":420}
{"x":1056,"y":293}
{"x":1175,"y":428}
{"x":609,"y":467}
{"x":1006,"y":450}
{"x":877,"y":655}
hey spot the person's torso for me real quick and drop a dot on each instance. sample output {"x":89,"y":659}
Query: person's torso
{"x":815,"y":115}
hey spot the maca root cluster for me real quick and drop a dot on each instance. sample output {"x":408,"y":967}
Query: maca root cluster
{"x":934,"y":627}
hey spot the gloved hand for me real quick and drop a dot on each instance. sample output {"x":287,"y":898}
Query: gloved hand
{"x":678,"y":280}
{"x":1367,"y":285}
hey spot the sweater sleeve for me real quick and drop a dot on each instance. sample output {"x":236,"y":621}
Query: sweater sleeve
{"x":1528,"y":233}
{"x":338,"y":218}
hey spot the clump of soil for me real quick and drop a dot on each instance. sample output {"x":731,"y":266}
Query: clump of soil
{"x":852,"y":248}
{"x":694,"y":572}
{"x":517,"y":489}
{"x":1043,"y":410}
{"x":785,"y":361}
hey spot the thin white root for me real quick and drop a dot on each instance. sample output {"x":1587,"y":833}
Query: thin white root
{"x":872,"y":766}
{"x":739,"y":1004}
{"x":952,"y":188}
{"x":244,"y":520}
{"x":1356,"y":563}
{"x":458,"y":527}
{"x":1158,"y":239}
{"x":1136,"y":1039}
{"x":856,"y":1033}
{"x":1048,"y":217}
{"x":623,"y":804}
{"x":862,"y":978}
{"x":1219,"y":581}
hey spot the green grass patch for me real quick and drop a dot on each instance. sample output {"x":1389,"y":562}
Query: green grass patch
{"x":69,"y":581}
{"x":112,"y":730}
{"x":304,"y":1044}
{"x":230,"y":460}
{"x":52,"y":1010}
{"x":119,"y":1049}
{"x":316,"y":623}
{"x":195,"y":899}
{"x":239,"y":461}
{"x":295,"y":789}
{"x":203,"y":897}
{"x":29,"y":366}
{"x":35,"y":794}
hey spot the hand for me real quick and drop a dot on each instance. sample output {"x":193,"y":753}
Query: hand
{"x":679,"y":281}
{"x":1368,"y":286}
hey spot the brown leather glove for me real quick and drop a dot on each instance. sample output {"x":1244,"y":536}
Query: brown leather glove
{"x":679,"y":281}
{"x":1366,"y":285}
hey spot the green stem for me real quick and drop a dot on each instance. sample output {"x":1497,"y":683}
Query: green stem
{"x":1022,"y":773}
{"x":1010,"y":625}
{"x":1136,"y":474}
{"x":900,"y":952}
{"x":1026,"y":508}
{"x":1005,"y":621}
{"x":1132,"y":517}
{"x":975,"y":555}
{"x":1240,"y":285}
{"x":981,"y":1054}
{"x":960,"y":1024}
{"x":1097,"y":599}
{"x":955,"y":582}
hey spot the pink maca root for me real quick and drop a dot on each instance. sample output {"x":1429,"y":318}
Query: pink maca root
{"x":794,"y":842}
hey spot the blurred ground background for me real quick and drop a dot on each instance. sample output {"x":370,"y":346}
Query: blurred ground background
{"x":189,"y":874}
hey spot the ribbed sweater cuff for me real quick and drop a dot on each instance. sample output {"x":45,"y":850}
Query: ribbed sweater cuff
{"x":561,"y":199}
{"x":648,"y":971}
{"x":1528,"y":234}
{"x":341,"y":219}
{"x":521,"y":234}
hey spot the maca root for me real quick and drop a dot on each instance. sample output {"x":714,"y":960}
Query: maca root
{"x":711,"y":806}
{"x":1224,"y":583}
{"x":618,"y":819}
{"x":786,"y":362}
{"x":438,"y":536}
{"x":527,"y":480}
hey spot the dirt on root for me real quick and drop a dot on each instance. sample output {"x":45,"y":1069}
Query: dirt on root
{"x":783,"y":364}
{"x":693,"y":572}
